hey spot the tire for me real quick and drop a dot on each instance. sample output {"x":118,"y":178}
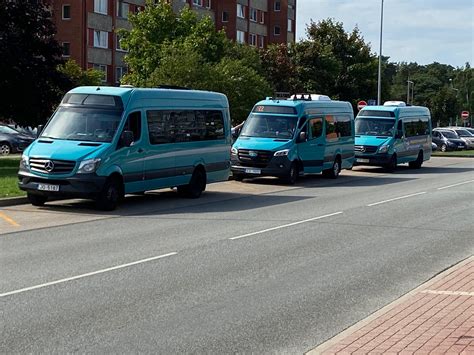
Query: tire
{"x":443,"y":147}
{"x":36,"y":200}
{"x":335,"y":170}
{"x":292,"y":174}
{"x":238,"y":177}
{"x":196,"y":185}
{"x":417,"y":163}
{"x":111,"y":194}
{"x":392,"y":164}
{"x":5,"y":149}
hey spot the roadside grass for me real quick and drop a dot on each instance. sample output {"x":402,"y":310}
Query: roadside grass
{"x":8,"y":178}
{"x":459,"y":153}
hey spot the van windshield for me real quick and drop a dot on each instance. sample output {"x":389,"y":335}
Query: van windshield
{"x":368,"y":126}
{"x":269,"y":126}
{"x":83,"y":124}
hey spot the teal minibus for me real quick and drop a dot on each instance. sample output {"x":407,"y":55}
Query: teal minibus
{"x":105,"y":142}
{"x":393,"y":134}
{"x":285,"y":138}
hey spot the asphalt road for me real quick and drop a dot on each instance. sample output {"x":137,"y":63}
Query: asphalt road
{"x":250,"y":268}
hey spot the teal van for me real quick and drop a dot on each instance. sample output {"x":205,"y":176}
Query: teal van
{"x":393,"y":134}
{"x":303,"y":134}
{"x":105,"y":142}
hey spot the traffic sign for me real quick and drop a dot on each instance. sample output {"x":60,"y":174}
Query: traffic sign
{"x":465,"y":115}
{"x":361,"y":105}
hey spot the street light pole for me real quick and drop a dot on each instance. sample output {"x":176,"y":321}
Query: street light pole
{"x":409,"y":82}
{"x":379,"y":89}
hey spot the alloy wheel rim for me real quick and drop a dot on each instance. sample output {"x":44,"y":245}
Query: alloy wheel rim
{"x":4,"y":149}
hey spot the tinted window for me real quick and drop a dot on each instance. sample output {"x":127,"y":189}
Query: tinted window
{"x":316,"y":126}
{"x":160,"y":127}
{"x":369,"y":126}
{"x":269,"y":126}
{"x":343,"y":126}
{"x":330,"y":127}
{"x":134,"y":124}
{"x":417,"y":127}
{"x":376,"y":113}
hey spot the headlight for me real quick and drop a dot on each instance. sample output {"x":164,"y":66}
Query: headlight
{"x":88,"y":166}
{"x":24,"y":162}
{"x":234,"y":151}
{"x":383,"y":149}
{"x":282,"y":153}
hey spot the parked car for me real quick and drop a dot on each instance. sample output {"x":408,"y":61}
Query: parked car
{"x":447,"y":140}
{"x":12,"y":141}
{"x":28,"y":131}
{"x":434,"y":147}
{"x":465,"y":135}
{"x":469,"y":129}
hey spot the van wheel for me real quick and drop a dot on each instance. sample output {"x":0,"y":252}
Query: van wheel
{"x":334,"y":172}
{"x":110,"y":195}
{"x":392,"y":164}
{"x":238,"y":177}
{"x":36,"y":200}
{"x":196,"y":185}
{"x":292,"y":174}
{"x":5,"y":149}
{"x":418,"y":162}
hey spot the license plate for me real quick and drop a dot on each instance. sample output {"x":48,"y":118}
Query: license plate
{"x":253,"y":171}
{"x":360,"y":160}
{"x":48,"y":187}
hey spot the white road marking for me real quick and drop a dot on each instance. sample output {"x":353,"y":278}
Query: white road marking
{"x":86,"y":275}
{"x":396,"y":198}
{"x":285,"y":226}
{"x":461,"y":183}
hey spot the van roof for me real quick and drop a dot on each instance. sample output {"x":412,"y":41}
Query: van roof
{"x":301,"y":105}
{"x":398,"y":109}
{"x":125,"y":93}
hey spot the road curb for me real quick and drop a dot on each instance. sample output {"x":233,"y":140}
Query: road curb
{"x":362,"y":323}
{"x":13,"y":201}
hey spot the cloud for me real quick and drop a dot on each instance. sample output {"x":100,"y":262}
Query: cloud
{"x":414,"y":30}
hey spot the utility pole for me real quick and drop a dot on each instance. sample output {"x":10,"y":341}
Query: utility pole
{"x":409,"y":82}
{"x":379,"y":89}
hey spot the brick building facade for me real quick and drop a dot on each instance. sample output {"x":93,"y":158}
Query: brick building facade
{"x":87,"y":28}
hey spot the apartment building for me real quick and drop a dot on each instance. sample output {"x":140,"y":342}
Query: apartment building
{"x":86,"y":29}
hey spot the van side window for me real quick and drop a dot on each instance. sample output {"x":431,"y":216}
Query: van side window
{"x":160,"y":127}
{"x":214,"y":121}
{"x":316,"y":126}
{"x":417,"y":126}
{"x":330,"y":127}
{"x":343,"y":126}
{"x":134,"y":124}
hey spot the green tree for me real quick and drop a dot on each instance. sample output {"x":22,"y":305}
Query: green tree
{"x":29,"y":56}
{"x":79,"y":77}
{"x":280,"y":68}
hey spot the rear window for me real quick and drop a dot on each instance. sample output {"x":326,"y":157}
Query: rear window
{"x":284,"y":110}
{"x":376,"y":113}
{"x":93,"y":100}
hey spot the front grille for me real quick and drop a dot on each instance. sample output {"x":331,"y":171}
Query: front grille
{"x":260,"y":160}
{"x":48,"y":166}
{"x":365,"y":148}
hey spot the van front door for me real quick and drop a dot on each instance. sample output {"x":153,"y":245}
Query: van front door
{"x":311,"y":152}
{"x":132,"y":158}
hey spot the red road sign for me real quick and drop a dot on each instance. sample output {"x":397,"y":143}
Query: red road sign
{"x":361,"y":105}
{"x":465,"y":115}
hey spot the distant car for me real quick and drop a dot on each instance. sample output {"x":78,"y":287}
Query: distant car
{"x":25,"y":130}
{"x":447,"y":140}
{"x":12,"y":141}
{"x":469,"y":129}
{"x":463,"y":134}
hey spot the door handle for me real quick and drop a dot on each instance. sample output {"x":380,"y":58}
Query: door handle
{"x":140,"y":150}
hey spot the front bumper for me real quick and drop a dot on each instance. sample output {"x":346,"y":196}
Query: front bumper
{"x":80,"y":186}
{"x":377,"y":159}
{"x":277,"y":166}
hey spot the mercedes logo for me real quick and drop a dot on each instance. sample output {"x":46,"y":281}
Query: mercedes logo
{"x":362,"y":149}
{"x":49,"y":166}
{"x":253,"y":154}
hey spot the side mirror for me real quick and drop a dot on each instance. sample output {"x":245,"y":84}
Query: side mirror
{"x":302,"y":137}
{"x":126,"y":139}
{"x":399,"y":134}
{"x":39,"y":129}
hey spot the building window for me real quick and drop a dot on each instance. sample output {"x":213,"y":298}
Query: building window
{"x":253,"y":15}
{"x":119,"y":73}
{"x":66,"y":12}
{"x":262,"y":42}
{"x":253,"y":39}
{"x":198,"y":2}
{"x":240,"y":37}
{"x":262,"y":17}
{"x":103,"y":69}
{"x":240,"y":11}
{"x":66,"y":49}
{"x":122,"y":9}
{"x":290,"y":25}
{"x":277,"y":6}
{"x":101,"y":39}
{"x":100,"y":6}
{"x":118,"y":45}
{"x":225,"y":16}
{"x":277,"y":30}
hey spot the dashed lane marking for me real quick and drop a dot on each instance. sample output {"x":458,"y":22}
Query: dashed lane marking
{"x":459,"y":184}
{"x":396,"y":198}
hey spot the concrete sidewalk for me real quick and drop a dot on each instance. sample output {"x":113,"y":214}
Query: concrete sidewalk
{"x":435,"y":318}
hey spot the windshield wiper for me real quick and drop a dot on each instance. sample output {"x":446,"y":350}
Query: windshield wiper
{"x":50,"y":137}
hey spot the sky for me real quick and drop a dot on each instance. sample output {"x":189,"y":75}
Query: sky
{"x":422,"y":31}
